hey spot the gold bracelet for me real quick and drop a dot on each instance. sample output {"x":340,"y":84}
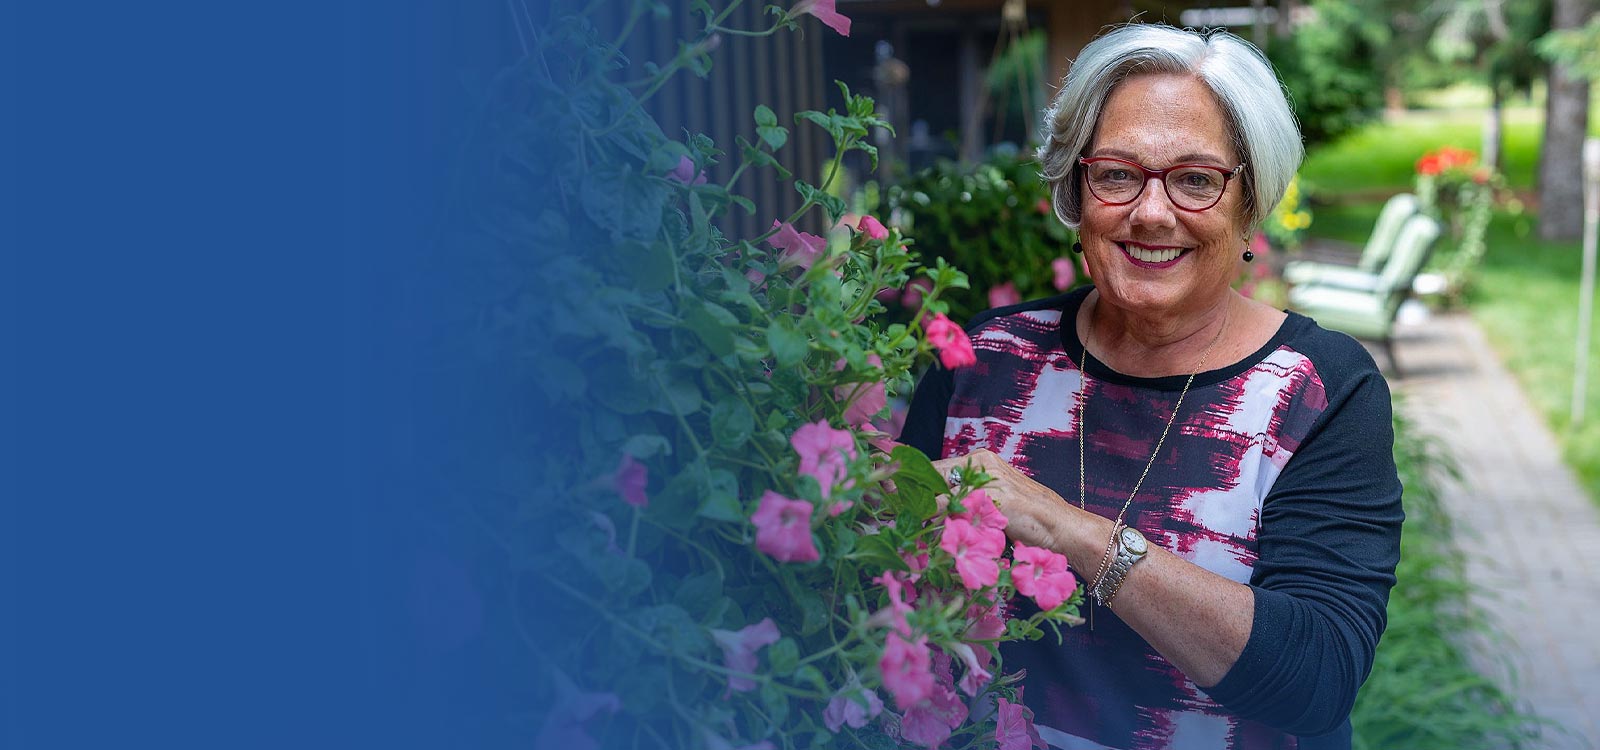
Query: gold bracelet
{"x":1105,"y":560}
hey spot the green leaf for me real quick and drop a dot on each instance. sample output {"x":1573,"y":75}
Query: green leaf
{"x":834,"y":205}
{"x":918,"y":483}
{"x":722,"y":497}
{"x":697,"y":593}
{"x":645,"y":446}
{"x":784,"y":656}
{"x":874,"y":550}
{"x":710,"y":328}
{"x":649,"y":267}
{"x":680,"y":393}
{"x":765,"y":116}
{"x":788,"y":345}
{"x":813,"y":613}
{"x":776,"y":702}
{"x":748,"y":205}
{"x":732,"y":423}
{"x":813,"y":676}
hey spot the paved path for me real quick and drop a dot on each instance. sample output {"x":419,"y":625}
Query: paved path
{"x":1532,"y":537}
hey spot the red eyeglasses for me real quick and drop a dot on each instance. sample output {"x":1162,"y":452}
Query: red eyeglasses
{"x":1191,"y":187}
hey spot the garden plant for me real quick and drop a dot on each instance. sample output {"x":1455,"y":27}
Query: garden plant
{"x":702,"y":537}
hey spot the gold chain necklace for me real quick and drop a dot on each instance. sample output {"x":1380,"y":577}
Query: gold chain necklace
{"x":1083,"y":373}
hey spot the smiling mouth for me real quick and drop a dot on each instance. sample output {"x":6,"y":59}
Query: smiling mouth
{"x":1151,"y":254}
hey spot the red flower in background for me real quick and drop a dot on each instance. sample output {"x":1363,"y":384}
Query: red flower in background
{"x":825,"y":12}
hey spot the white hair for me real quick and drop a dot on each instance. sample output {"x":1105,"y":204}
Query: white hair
{"x":1254,"y":103}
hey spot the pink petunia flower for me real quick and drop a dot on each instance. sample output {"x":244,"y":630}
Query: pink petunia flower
{"x":1014,"y":729}
{"x":907,"y":669}
{"x":800,"y":249}
{"x":1043,"y":206}
{"x":843,"y":711}
{"x":974,"y":674}
{"x":987,"y":624}
{"x":955,"y":349}
{"x":685,"y":172}
{"x":825,"y":453}
{"x":824,"y":11}
{"x":982,"y":514}
{"x":564,"y":726}
{"x":1065,"y":273}
{"x":900,"y":597}
{"x":739,"y":649}
{"x":872,"y":228}
{"x":977,"y":552}
{"x":783,"y":528}
{"x":869,"y":398}
{"x":1042,"y":574}
{"x":629,"y":481}
{"x":1001,"y":295}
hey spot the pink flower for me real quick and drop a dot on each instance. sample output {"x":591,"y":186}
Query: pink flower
{"x":900,"y":597}
{"x":872,"y":228}
{"x":866,"y":399}
{"x":911,"y":298}
{"x":685,"y":172}
{"x":608,"y":528}
{"x":1065,"y":272}
{"x":1014,"y":728}
{"x":982,"y":514}
{"x":878,"y":438}
{"x":824,"y":11}
{"x":977,"y":552}
{"x":843,"y":711}
{"x":739,"y":649}
{"x":929,"y":722}
{"x":974,"y":676}
{"x":1042,"y":574}
{"x":1043,"y":206}
{"x":955,"y":349}
{"x":907,"y":669}
{"x":564,"y":726}
{"x":825,"y":453}
{"x":799,"y":248}
{"x":630,"y":481}
{"x":783,"y":528}
{"x":987,"y":624}
{"x":1001,"y":295}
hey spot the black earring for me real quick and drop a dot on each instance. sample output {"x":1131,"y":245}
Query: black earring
{"x":1077,"y":247}
{"x":1249,"y":256}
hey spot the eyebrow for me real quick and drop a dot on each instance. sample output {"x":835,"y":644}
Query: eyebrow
{"x":1189,"y":158}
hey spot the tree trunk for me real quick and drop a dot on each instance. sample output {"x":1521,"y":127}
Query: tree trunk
{"x":1566,"y":119}
{"x":1493,"y":127}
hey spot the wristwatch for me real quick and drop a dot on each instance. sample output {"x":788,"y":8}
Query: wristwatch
{"x":1131,"y":548}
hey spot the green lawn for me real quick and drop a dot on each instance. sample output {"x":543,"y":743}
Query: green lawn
{"x":1526,"y":292}
{"x":1381,"y":157}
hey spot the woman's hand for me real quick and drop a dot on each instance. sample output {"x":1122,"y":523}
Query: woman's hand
{"x":1032,"y":510}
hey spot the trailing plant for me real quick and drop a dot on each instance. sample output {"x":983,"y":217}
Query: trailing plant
{"x":700,"y":537}
{"x":1462,"y":193}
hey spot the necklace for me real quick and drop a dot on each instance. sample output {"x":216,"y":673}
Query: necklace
{"x":1083,"y":402}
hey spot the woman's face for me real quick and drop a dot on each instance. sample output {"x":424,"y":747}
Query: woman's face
{"x":1157,"y":121}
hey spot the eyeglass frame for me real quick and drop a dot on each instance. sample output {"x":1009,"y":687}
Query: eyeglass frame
{"x":1227,"y":176}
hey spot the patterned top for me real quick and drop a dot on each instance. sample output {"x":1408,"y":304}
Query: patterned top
{"x":1278,"y":472}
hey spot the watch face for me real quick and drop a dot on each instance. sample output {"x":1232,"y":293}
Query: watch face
{"x":1133,"y":541}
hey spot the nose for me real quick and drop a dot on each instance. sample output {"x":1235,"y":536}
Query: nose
{"x":1153,"y":207}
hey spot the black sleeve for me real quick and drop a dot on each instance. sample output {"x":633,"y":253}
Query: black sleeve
{"x":930,"y":404}
{"x":1329,"y":543}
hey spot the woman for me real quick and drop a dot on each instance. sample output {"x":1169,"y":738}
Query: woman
{"x":1247,"y":451}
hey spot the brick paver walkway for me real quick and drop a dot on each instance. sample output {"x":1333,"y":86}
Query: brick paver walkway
{"x":1532,"y":536}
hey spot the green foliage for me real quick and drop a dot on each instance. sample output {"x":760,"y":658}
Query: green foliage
{"x":1328,"y":68}
{"x":644,"y":376}
{"x":1379,"y":159}
{"x":1424,"y":692}
{"x":1577,"y":48}
{"x":991,"y":219}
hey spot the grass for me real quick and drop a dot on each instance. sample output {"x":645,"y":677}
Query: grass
{"x":1424,"y":693}
{"x":1524,"y":295}
{"x":1380,"y":158}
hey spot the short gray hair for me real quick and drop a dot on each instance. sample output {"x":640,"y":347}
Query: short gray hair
{"x":1260,"y":123}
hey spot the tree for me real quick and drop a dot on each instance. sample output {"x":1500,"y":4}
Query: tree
{"x":1566,"y":120}
{"x":1492,"y":36}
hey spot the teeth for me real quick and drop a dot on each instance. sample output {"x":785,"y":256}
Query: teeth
{"x":1152,"y":256}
